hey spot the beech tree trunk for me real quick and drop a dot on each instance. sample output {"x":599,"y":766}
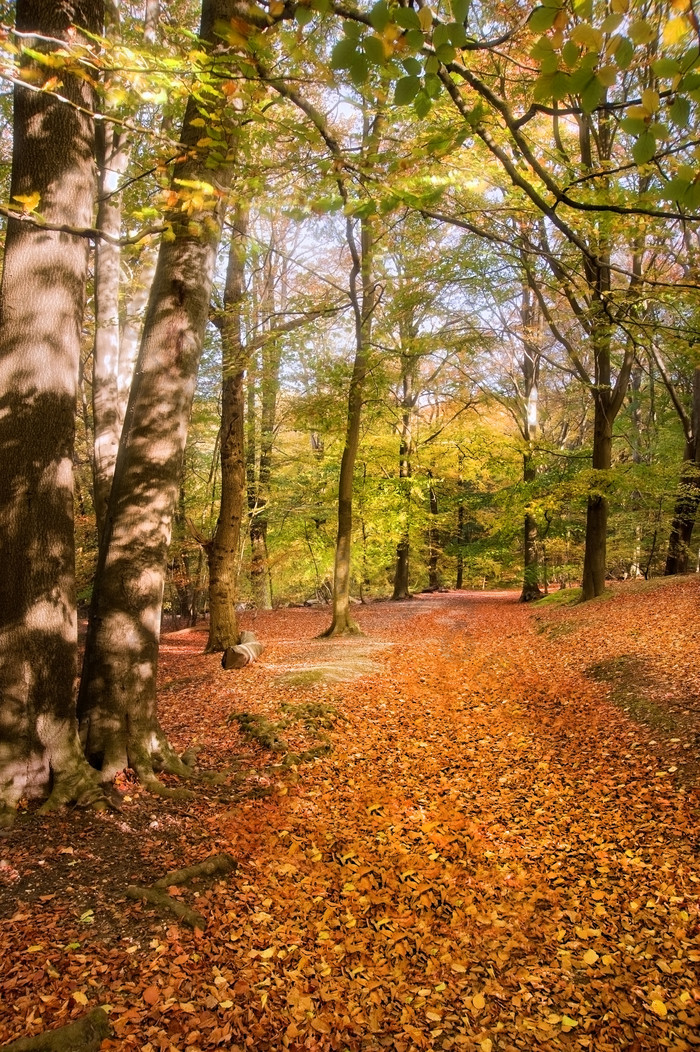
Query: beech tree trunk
{"x":342,"y":623}
{"x":688,"y":496}
{"x":434,"y":579}
{"x":530,"y":368}
{"x":113,"y":157}
{"x":41,"y":312}
{"x":401,"y":589}
{"x":117,"y":702}
{"x":594,"y":562}
{"x":223,"y":550}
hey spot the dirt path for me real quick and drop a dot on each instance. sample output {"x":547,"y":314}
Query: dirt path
{"x":490,"y":857}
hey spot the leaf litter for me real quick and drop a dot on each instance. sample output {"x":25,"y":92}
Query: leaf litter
{"x":496,"y":854}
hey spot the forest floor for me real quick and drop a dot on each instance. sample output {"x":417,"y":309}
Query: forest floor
{"x":499,"y":851}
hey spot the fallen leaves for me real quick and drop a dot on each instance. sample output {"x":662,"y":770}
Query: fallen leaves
{"x":485,"y":861}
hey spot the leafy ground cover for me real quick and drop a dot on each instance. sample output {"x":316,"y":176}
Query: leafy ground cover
{"x":475,"y":828}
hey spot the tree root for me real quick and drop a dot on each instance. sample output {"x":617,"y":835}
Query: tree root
{"x":157,"y":896}
{"x":82,"y":788}
{"x":86,"y":1034}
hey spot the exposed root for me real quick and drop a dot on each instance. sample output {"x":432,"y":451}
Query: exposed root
{"x":166,"y":903}
{"x":86,"y":1034}
{"x":157,"y":896}
{"x":210,"y":867}
{"x":81,"y":788}
{"x":341,"y":628}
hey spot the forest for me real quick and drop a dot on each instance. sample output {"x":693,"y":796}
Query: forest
{"x":349,"y":468}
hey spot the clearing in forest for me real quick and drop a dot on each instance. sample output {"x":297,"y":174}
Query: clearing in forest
{"x":473,"y":828}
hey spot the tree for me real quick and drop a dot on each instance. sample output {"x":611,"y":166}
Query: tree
{"x":42,"y":300}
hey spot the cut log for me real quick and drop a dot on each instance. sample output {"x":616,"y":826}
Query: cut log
{"x":248,"y":650}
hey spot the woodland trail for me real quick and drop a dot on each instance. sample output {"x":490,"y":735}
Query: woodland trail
{"x":495,"y":855}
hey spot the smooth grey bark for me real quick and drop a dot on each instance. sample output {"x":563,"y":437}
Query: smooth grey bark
{"x":223,"y":549}
{"x":117,"y":702}
{"x":408,"y":401}
{"x":113,"y":158}
{"x":530,"y":368}
{"x":688,"y":497}
{"x":363,"y":305}
{"x":41,"y":311}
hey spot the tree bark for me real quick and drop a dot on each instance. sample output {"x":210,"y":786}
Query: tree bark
{"x":342,"y":623}
{"x":530,"y":368}
{"x":117,"y":701}
{"x":688,"y":497}
{"x":401,"y":589}
{"x":594,"y":562}
{"x":434,"y":578}
{"x":113,"y":157}
{"x":41,"y":313}
{"x":223,"y":550}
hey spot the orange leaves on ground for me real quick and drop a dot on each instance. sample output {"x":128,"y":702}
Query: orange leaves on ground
{"x":486,"y":861}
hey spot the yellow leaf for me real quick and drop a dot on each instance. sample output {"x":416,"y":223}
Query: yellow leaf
{"x":674,"y":30}
{"x":80,"y":998}
{"x":650,"y":100}
{"x":567,"y":1022}
{"x":590,"y":957}
{"x":434,"y":1017}
{"x":225,"y":1004}
{"x":28,"y":203}
{"x":486,"y":1044}
{"x":659,"y":1008}
{"x":425,"y":17}
{"x":478,"y":1001}
{"x":268,"y":953}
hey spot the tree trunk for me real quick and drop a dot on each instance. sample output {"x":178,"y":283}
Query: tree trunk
{"x":342,"y":623}
{"x":401,"y":589}
{"x":434,"y":579}
{"x":117,"y":702}
{"x":223,"y":550}
{"x":594,"y":563}
{"x":113,"y":157}
{"x":688,"y":496}
{"x":42,"y":300}
{"x":530,"y":368}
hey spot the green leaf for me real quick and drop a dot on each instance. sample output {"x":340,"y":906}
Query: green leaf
{"x":457,"y":34}
{"x":675,"y":190}
{"x":679,"y":112}
{"x":422,"y":104}
{"x":303,"y":15}
{"x":374,"y":50}
{"x":592,"y":95}
{"x":380,"y":16}
{"x":412,"y":66}
{"x":441,"y":35}
{"x":343,"y":54}
{"x":633,"y":125}
{"x":641,"y":32}
{"x":644,"y":148}
{"x":432,"y":64}
{"x":460,"y":10}
{"x":406,"y":90}
{"x":406,"y":17}
{"x":542,"y":19}
{"x":433,"y":86}
{"x":446,"y":53}
{"x":359,"y":69}
{"x":666,"y":67}
{"x":624,"y":53}
{"x":611,"y":23}
{"x":570,"y":53}
{"x":414,"y":39}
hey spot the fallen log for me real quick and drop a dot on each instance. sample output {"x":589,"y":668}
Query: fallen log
{"x":248,"y":650}
{"x":86,"y":1034}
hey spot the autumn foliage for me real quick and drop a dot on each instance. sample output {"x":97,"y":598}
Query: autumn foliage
{"x":494,"y":855}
